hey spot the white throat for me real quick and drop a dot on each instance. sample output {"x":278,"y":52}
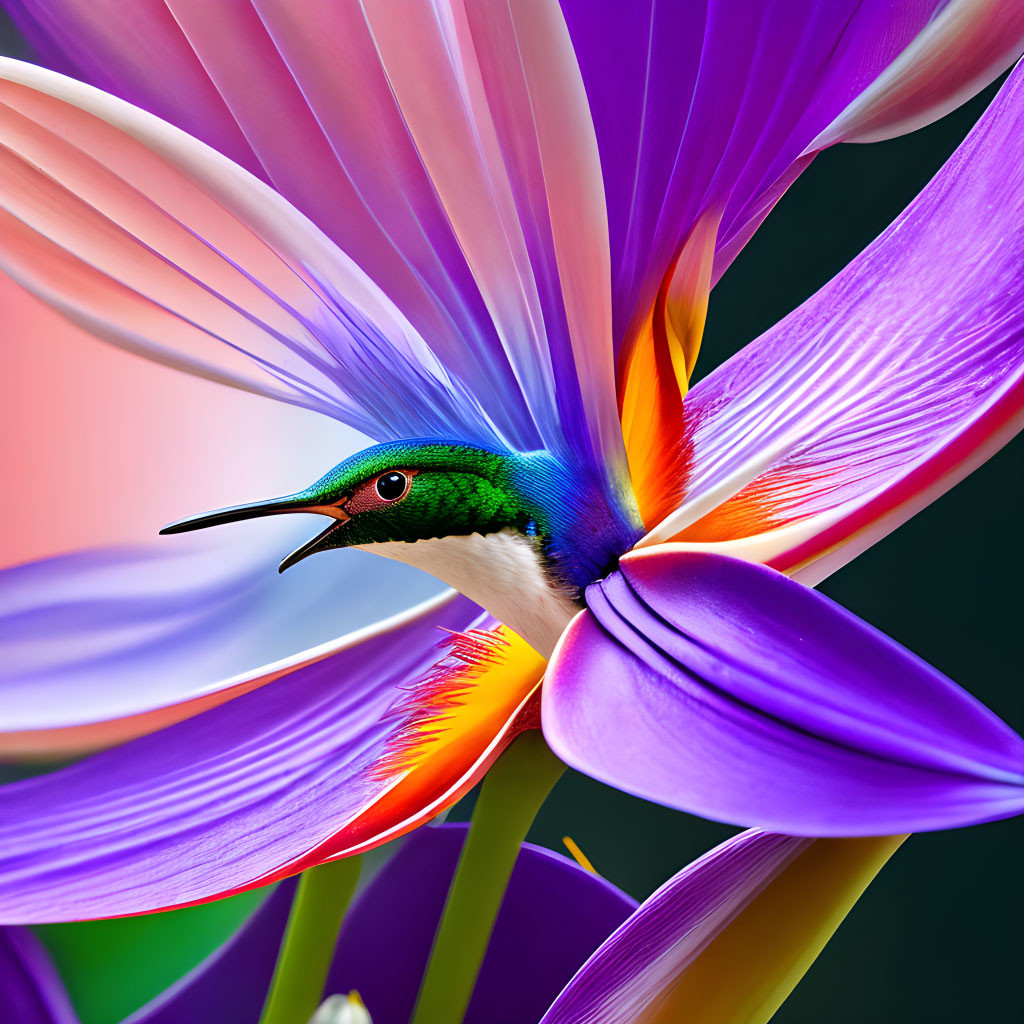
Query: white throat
{"x":499,"y":571}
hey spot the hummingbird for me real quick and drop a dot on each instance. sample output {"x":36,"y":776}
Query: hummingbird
{"x":523,"y":534}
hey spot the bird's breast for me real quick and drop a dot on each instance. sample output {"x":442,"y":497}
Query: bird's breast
{"x":503,"y":572}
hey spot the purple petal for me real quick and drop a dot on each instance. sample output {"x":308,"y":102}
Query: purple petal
{"x":728,"y":937}
{"x":30,"y":988}
{"x":705,"y":105}
{"x":200,"y":622}
{"x":228,"y":800}
{"x":727,"y":690}
{"x":897,"y":379}
{"x":553,"y":917}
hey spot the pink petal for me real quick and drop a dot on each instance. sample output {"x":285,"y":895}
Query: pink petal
{"x":965,"y":46}
{"x":319,"y":122}
{"x":515,"y":165}
{"x":158,"y":244}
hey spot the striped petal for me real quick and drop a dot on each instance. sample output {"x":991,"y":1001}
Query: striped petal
{"x":158,"y":244}
{"x":515,"y":165}
{"x":166,"y":75}
{"x":332,"y":758}
{"x":319,"y":122}
{"x":727,"y":690}
{"x":727,"y":939}
{"x":30,"y":988}
{"x":896,"y":380}
{"x":486,"y":227}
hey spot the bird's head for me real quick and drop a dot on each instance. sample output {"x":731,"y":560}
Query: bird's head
{"x":509,"y":530}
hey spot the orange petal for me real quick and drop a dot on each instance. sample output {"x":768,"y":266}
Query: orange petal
{"x":656,"y":372}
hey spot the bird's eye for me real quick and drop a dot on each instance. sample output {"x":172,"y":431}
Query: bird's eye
{"x":391,"y":486}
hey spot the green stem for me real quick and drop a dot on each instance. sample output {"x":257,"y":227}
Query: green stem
{"x":319,"y":906}
{"x":510,"y":797}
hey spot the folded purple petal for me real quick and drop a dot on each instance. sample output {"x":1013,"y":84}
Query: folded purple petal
{"x":221,"y":802}
{"x":727,"y":690}
{"x":31,"y":991}
{"x":553,"y":917}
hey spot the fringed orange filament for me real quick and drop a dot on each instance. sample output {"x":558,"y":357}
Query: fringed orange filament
{"x":454,"y":724}
{"x":484,"y":675}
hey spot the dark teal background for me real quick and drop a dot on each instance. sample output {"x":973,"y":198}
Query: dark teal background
{"x":937,"y":937}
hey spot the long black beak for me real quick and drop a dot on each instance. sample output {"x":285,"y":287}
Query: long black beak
{"x":274,"y":507}
{"x":238,"y":513}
